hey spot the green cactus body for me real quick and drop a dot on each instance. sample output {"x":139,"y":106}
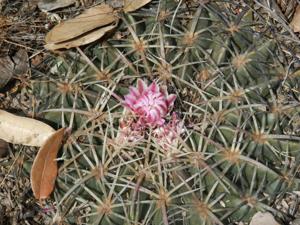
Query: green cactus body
{"x":234,"y":156}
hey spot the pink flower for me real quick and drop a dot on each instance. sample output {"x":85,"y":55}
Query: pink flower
{"x":129,"y":132}
{"x":167,"y":135}
{"x":150,"y":104}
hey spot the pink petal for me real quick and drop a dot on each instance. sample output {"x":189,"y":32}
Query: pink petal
{"x":141,"y":86}
{"x":157,"y":95}
{"x":149,"y":119}
{"x":133,"y":91}
{"x":160,"y":102}
{"x":156,"y":113}
{"x":160,"y":110}
{"x":127,"y":103}
{"x":170,"y":100}
{"x":131,"y":97}
{"x":152,"y":116}
{"x":130,"y":100}
{"x":163,"y":106}
{"x":142,"y":102}
{"x":154,"y":87}
{"x":160,"y":121}
{"x":164,"y":91}
{"x":140,"y":111}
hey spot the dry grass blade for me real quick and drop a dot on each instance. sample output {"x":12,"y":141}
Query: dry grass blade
{"x":132,"y":5}
{"x":90,"y":19}
{"x":23,"y":130}
{"x":82,"y":40}
{"x":44,"y":168}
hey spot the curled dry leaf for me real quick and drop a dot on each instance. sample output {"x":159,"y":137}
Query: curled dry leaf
{"x":89,"y":20}
{"x":295,"y":24}
{"x":132,"y":5}
{"x":49,"y":5}
{"x":82,"y":40}
{"x":44,"y":168}
{"x":23,"y":130}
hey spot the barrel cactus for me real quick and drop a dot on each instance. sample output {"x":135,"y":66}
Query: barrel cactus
{"x":232,"y":149}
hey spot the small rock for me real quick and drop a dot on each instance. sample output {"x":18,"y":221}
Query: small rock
{"x":266,"y":218}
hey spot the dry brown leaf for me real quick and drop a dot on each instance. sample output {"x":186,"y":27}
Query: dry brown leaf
{"x":132,"y":5}
{"x":82,"y":40}
{"x":49,"y":5}
{"x":6,"y":70}
{"x":21,"y":62}
{"x":295,"y":24}
{"x":44,"y":168}
{"x":89,"y":20}
{"x":23,"y":130}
